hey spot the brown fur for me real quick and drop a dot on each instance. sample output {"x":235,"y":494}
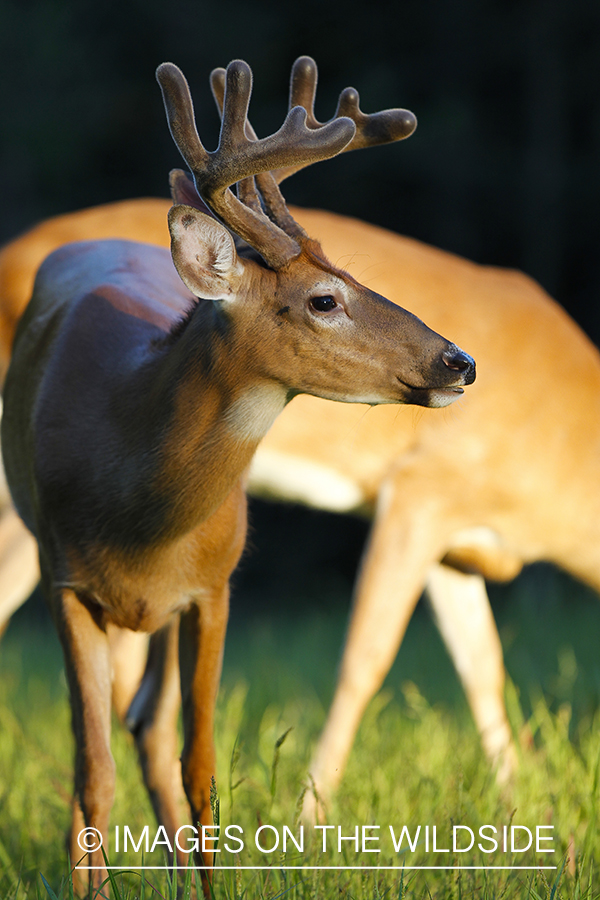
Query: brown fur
{"x":126,"y":455}
{"x":518,"y":455}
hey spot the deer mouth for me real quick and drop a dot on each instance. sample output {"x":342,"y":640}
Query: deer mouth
{"x":431,"y":397}
{"x":439,"y":397}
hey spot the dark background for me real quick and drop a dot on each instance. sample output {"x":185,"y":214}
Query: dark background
{"x":504,"y":167}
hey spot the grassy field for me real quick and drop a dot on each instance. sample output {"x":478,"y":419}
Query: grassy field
{"x":417,"y":761}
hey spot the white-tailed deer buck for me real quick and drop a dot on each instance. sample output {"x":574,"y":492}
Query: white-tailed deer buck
{"x":136,"y":397}
{"x":509,"y":476}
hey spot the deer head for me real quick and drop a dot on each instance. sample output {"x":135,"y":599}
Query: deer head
{"x":332,"y":325}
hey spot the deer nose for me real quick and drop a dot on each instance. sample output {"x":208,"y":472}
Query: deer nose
{"x":459,"y":361}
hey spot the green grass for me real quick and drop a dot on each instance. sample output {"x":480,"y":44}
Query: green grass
{"x":416,"y":761}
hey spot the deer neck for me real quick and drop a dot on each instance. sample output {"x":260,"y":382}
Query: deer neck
{"x":207,"y":409}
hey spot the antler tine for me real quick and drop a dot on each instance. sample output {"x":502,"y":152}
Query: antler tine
{"x":246,"y":189}
{"x":180,"y":114}
{"x":239,"y":156}
{"x":376,"y":128}
{"x":233,"y":142}
{"x":293,"y":144}
{"x":303,"y":88}
{"x":217,"y":86}
{"x":249,"y":223}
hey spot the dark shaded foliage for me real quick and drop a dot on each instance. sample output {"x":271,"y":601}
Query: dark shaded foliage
{"x":503,"y":167}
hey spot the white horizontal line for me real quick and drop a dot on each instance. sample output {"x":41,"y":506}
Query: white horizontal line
{"x":323,"y":868}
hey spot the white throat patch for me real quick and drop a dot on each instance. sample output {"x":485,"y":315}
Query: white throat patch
{"x":251,"y":415}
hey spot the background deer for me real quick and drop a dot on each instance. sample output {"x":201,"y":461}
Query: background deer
{"x":508,"y":476}
{"x":132,"y":410}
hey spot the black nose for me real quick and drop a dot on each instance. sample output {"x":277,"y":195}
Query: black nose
{"x":459,"y":361}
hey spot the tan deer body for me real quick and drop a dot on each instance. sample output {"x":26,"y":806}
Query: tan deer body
{"x":506,"y":476}
{"x":132,"y":411}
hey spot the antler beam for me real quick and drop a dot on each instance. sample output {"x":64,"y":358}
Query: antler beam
{"x":372,"y":129}
{"x":239,"y":157}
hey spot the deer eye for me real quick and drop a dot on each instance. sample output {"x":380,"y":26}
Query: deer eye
{"x":323,"y":304}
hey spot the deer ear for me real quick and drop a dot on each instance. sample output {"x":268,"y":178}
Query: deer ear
{"x":183,"y":190}
{"x":204,"y":254}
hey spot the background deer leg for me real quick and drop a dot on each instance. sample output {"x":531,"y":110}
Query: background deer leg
{"x":19,"y":569}
{"x":128,"y":656}
{"x":398,"y":555}
{"x":87,"y":662}
{"x":465,"y":620}
{"x":152,"y":719}
{"x":201,"y":640}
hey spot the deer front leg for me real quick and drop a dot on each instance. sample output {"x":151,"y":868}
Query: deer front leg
{"x":87,"y":663}
{"x":466,"y":623}
{"x":400,"y":550}
{"x":152,"y":719}
{"x":201,"y":641}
